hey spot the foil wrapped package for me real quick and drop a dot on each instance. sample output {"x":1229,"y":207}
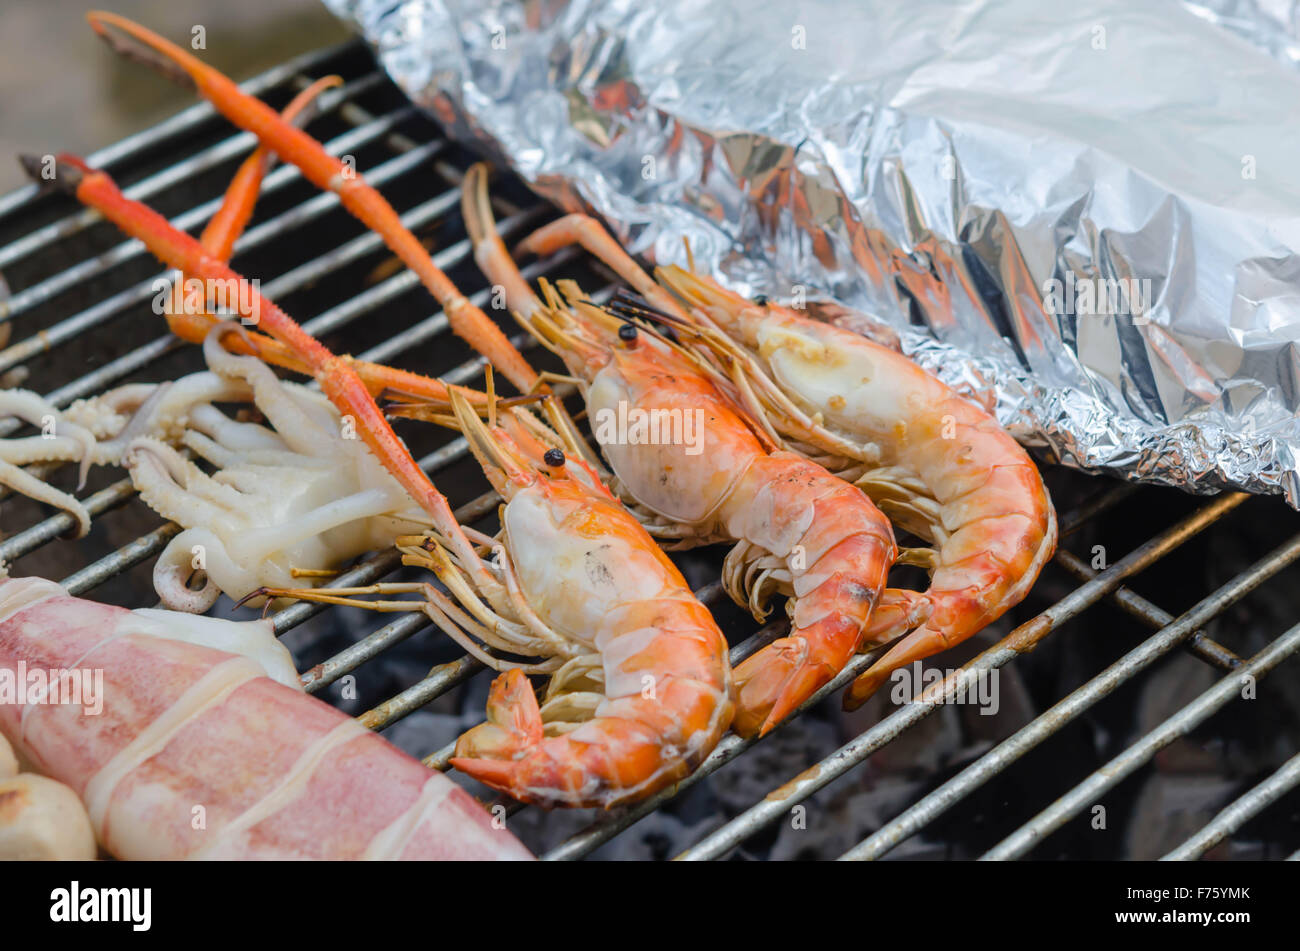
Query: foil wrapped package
{"x":1085,"y":215}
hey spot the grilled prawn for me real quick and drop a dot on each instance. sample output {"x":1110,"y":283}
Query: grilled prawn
{"x":799,"y":530}
{"x":640,"y":686}
{"x":940,"y":466}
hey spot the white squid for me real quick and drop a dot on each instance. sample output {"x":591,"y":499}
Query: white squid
{"x":300,"y":493}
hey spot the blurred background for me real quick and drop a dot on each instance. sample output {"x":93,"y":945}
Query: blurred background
{"x":61,"y":88}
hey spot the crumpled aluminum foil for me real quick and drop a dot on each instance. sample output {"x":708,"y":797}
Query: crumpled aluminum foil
{"x":1087,"y":215}
{"x":1272,"y":25}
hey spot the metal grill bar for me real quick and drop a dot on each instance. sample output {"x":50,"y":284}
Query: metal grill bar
{"x":1198,"y":644}
{"x":386,"y":126}
{"x":1240,"y":812}
{"x":1105,"y":683}
{"x":128,"y":556}
{"x":30,"y":539}
{"x":185,"y":120}
{"x":143,"y":190}
{"x":1021,"y":639}
{"x":1195,"y":713}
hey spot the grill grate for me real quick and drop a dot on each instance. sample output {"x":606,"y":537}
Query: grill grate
{"x":80,"y":301}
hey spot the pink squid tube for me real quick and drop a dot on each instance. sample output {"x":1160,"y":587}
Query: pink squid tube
{"x":196,"y":753}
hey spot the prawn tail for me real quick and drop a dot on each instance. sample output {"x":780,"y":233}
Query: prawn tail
{"x":773,"y":683}
{"x":602,"y":763}
{"x":981,"y":575}
{"x":513,"y":726}
{"x":924,"y":642}
{"x":962,"y":599}
{"x":633,"y":747}
{"x":959,"y":603}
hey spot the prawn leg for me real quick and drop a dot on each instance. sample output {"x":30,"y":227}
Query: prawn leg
{"x":193,"y":323}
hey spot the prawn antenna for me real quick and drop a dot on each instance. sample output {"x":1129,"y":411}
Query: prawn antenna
{"x":262,"y":592}
{"x":631,"y":306}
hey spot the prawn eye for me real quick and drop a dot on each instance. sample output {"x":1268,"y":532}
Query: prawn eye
{"x":761,"y":300}
{"x":627,"y":332}
{"x":554,"y":458}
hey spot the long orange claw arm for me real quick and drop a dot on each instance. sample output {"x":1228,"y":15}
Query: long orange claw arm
{"x":193,"y":323}
{"x":325,"y":172}
{"x":337,"y":379}
{"x":236,"y":210}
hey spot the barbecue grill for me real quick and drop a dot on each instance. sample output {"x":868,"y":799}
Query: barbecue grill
{"x":79,"y":309}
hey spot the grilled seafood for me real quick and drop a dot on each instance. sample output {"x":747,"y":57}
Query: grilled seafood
{"x":198,"y":753}
{"x":322,"y":170}
{"x":611,"y":758}
{"x":682,"y":716}
{"x":784,"y":511}
{"x":305,"y":495}
{"x":282,"y":501}
{"x":798,"y":529}
{"x":640,"y":687}
{"x":937,"y":464}
{"x":70,"y":441}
